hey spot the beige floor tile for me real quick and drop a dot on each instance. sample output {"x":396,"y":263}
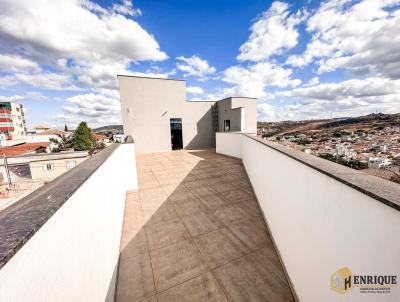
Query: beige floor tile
{"x":222,"y":187}
{"x":231,"y":214}
{"x":251,"y":208}
{"x":165,"y":234}
{"x":212,"y":202}
{"x":204,"y":288}
{"x":252,"y":232}
{"x":201,"y":223}
{"x":249,"y":279}
{"x":237,"y":196}
{"x":177,"y":263}
{"x":156,"y":216}
{"x":135,"y":279}
{"x":188,"y":207}
{"x":196,"y":187}
{"x":220,"y":247}
{"x":134,"y":243}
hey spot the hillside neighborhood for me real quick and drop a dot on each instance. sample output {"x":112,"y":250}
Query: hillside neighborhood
{"x":29,"y":159}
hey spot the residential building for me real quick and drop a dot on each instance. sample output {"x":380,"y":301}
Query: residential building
{"x":39,"y":166}
{"x":157,"y":115}
{"x":12,"y":120}
{"x":41,"y":128}
{"x":378,"y":162}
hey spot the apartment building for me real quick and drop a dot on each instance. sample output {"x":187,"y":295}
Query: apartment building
{"x":12,"y":120}
{"x":156,"y":113}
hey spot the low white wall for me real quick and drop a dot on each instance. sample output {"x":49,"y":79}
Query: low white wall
{"x":229,"y":143}
{"x":321,"y":225}
{"x":73,"y":257}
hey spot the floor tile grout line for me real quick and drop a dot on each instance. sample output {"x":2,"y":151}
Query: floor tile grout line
{"x":148,"y":248}
{"x":240,"y":188}
{"x":205,"y":261}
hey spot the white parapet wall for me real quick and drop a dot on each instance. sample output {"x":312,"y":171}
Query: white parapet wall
{"x":74,"y":255}
{"x":319,"y":223}
{"x":230,"y":143}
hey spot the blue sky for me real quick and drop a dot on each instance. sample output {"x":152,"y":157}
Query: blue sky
{"x":302,"y":59}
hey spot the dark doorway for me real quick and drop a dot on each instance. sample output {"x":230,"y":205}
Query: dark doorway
{"x":176,"y":133}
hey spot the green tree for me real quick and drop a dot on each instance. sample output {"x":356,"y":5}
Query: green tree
{"x":65,"y":128}
{"x":83,"y":138}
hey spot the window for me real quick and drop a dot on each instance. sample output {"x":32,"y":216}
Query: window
{"x":227,"y":125}
{"x":17,"y":108}
{"x":70,"y":164}
{"x":48,"y":167}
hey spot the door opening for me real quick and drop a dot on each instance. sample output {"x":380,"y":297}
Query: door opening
{"x":176,"y":133}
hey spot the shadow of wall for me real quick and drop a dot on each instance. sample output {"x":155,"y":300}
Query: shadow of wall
{"x":204,"y":134}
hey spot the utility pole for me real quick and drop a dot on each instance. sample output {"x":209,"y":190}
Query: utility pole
{"x":7,"y":171}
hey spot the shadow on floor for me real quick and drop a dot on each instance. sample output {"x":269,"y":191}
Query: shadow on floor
{"x":194,"y":232}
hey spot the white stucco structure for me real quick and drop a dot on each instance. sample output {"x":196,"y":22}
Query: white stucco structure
{"x":318,"y":223}
{"x":74,"y":255}
{"x":149,"y":104}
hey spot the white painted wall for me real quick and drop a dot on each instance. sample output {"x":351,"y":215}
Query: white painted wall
{"x":73,"y":257}
{"x":229,"y":143}
{"x":320,"y":224}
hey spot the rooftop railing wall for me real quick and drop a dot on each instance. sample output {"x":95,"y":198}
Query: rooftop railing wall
{"x":322,"y":217}
{"x":61,"y":243}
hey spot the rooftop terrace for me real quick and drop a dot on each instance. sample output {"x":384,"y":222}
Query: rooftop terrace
{"x":194,"y":232}
{"x":253,"y":222}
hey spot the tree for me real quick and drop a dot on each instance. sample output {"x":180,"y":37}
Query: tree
{"x":83,"y":138}
{"x":65,"y":128}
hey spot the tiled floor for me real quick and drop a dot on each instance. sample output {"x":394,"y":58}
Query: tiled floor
{"x":194,"y":232}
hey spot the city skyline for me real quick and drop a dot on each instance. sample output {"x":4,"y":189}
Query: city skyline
{"x":302,"y":59}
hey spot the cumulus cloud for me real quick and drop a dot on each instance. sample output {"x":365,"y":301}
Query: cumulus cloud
{"x":74,"y":29}
{"x":194,"y":90}
{"x":253,"y":79}
{"x":45,"y":80}
{"x":12,"y":98}
{"x":195,"y":66}
{"x":15,"y":63}
{"x":347,"y":98}
{"x":92,"y":107}
{"x":81,"y":40}
{"x":312,"y":82}
{"x":355,"y":89}
{"x":273,"y":32}
{"x":359,"y":36}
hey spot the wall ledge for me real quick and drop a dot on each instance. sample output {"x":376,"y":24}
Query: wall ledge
{"x":380,"y":189}
{"x":20,"y":221}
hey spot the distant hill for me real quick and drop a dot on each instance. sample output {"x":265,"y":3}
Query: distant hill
{"x":108,"y":128}
{"x":374,"y":120}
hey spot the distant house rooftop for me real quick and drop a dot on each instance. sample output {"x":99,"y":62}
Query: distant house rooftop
{"x":49,"y":131}
{"x":23,"y":148}
{"x":41,"y":127}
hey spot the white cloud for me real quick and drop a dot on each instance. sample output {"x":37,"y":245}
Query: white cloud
{"x":95,"y":108}
{"x":346,"y":98}
{"x":77,"y":39}
{"x":71,"y":29}
{"x":273,"y":32}
{"x":126,"y":8}
{"x":12,"y":98}
{"x":15,"y":63}
{"x":194,"y":90}
{"x":252,"y":80}
{"x":359,"y":36}
{"x":312,"y":82}
{"x":45,"y":80}
{"x":355,"y":89}
{"x":195,"y":66}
